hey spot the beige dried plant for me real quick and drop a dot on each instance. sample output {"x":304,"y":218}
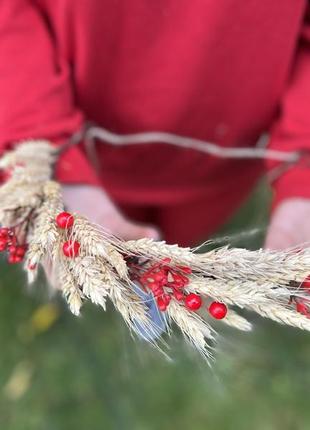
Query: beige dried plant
{"x":103,"y":267}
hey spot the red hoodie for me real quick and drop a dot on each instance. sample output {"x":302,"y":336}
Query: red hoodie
{"x":219,"y":70}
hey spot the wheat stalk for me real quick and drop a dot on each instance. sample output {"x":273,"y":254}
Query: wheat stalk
{"x":237,"y":321}
{"x":265,"y":282}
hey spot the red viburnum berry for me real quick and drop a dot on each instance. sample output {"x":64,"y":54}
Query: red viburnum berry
{"x":193,"y":302}
{"x":12,"y":249}
{"x":302,"y":308}
{"x":166,"y":298}
{"x":161,"y":303}
{"x":3,"y":244}
{"x":32,"y":266}
{"x":218,"y":310}
{"x":71,"y":248}
{"x":20,"y":251}
{"x":13,"y":259}
{"x":5,"y":175}
{"x":4,"y":233}
{"x":306,"y":283}
{"x":64,"y":220}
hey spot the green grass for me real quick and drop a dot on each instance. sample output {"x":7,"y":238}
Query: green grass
{"x":87,"y":373}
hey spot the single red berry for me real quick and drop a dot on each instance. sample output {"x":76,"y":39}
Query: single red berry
{"x":166,"y":298}
{"x":3,"y":244}
{"x":32,"y":266}
{"x":5,"y":175}
{"x":20,"y":251}
{"x":218,"y":310}
{"x":71,"y":248}
{"x":12,"y":249}
{"x":306,"y":283}
{"x":162,"y":306}
{"x":64,"y":220}
{"x":302,"y":308}
{"x":13,"y":259}
{"x":193,"y":302}
{"x":4,"y":232}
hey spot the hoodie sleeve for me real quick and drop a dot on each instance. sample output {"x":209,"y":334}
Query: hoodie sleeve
{"x":36,"y":88}
{"x":291,"y":131}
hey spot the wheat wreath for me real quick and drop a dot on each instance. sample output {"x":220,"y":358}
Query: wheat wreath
{"x":190,"y":288}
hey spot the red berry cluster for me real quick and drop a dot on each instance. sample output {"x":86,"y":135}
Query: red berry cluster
{"x":302,"y":304}
{"x":70,"y":248}
{"x":9,"y":243}
{"x":166,"y":282}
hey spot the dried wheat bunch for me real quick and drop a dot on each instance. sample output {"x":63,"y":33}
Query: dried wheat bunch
{"x":150,"y":283}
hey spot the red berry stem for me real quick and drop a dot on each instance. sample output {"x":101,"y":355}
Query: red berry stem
{"x":164,"y":282}
{"x":9,"y":242}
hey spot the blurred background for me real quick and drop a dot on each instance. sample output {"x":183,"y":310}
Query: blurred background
{"x":59,"y":372}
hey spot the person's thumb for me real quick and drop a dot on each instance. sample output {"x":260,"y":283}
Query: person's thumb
{"x":129,"y":230}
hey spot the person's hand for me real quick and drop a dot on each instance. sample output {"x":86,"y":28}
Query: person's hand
{"x":96,"y":205}
{"x":290,"y":224}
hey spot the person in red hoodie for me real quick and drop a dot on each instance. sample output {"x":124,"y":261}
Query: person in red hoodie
{"x":217,"y":70}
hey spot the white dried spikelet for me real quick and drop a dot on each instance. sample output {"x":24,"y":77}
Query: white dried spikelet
{"x":131,"y":307}
{"x":46,"y":232}
{"x":260,"y":266}
{"x":94,"y":242}
{"x":230,"y":292}
{"x":237,"y":321}
{"x":159,"y":250}
{"x":93,"y":277}
{"x":87,"y":234}
{"x":35,"y":153}
{"x":282,"y":315}
{"x":116,"y":261}
{"x":192,"y":326}
{"x":22,"y":195}
{"x":70,"y":289}
{"x":33,"y":257}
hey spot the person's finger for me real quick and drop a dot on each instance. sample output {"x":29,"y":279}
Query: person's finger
{"x":130,"y":231}
{"x":278,"y":238}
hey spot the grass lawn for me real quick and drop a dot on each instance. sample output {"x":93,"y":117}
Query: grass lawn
{"x":59,"y":372}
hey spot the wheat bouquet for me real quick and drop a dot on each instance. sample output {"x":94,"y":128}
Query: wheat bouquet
{"x":141,"y":277}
